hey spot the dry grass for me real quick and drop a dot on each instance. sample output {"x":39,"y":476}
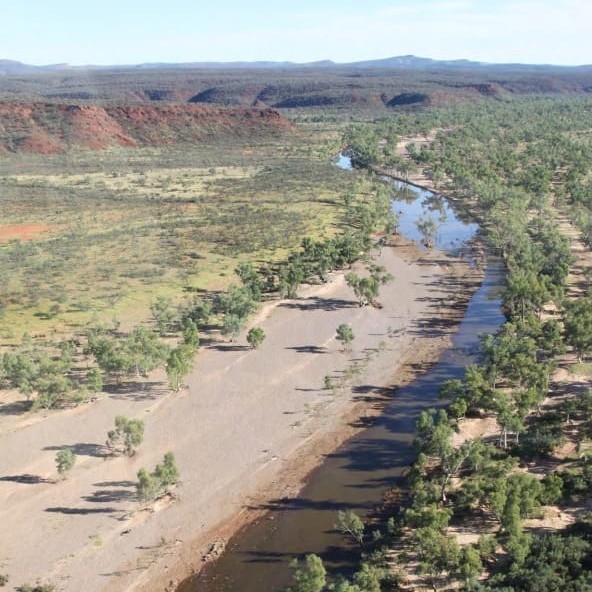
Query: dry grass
{"x":124,"y":226}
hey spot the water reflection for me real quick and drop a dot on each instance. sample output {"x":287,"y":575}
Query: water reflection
{"x":411,"y":204}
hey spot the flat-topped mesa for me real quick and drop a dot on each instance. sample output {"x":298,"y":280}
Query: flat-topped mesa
{"x":49,"y":128}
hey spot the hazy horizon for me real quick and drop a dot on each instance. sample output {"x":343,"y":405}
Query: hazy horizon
{"x":271,"y":61}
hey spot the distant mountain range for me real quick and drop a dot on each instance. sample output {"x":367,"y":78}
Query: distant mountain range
{"x":407,"y":62}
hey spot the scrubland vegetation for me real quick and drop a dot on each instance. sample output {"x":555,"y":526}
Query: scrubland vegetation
{"x":478,"y":505}
{"x":134,"y":263}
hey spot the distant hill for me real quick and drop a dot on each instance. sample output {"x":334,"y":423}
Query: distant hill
{"x":404,"y":82}
{"x":414,"y":62}
{"x":12,"y":67}
{"x":419,"y":63}
{"x":407,"y":62}
{"x":9,"y":67}
{"x":48,"y":128}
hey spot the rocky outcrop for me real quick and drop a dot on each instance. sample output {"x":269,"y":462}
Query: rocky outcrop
{"x":46,"y":127}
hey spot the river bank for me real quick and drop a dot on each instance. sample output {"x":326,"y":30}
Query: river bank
{"x":249,"y":428}
{"x":413,"y":351}
{"x":254,"y":560}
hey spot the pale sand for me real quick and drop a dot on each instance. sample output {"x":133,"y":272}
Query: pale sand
{"x":250,"y":427}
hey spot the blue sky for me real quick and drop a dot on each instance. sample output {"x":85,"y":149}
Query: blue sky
{"x":134,"y":31}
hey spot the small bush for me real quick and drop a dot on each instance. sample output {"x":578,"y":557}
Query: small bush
{"x":151,"y":485}
{"x":255,"y":337}
{"x":127,"y":435}
{"x":65,"y":460}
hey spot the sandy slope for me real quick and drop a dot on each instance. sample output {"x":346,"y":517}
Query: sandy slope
{"x":250,"y":426}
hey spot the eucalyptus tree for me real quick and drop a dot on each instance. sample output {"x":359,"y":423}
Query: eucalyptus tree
{"x":164,"y":313}
{"x":345,"y":334}
{"x":151,"y":485}
{"x":179,"y":364}
{"x":65,"y":460}
{"x":578,"y":326}
{"x":255,"y":337}
{"x":126,"y":436}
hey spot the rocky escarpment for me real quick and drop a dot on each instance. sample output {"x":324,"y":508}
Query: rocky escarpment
{"x":46,"y":127}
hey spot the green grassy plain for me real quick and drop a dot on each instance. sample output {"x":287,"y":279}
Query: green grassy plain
{"x":127,"y":225}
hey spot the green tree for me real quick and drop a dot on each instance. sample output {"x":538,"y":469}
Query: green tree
{"x":151,"y":485}
{"x":167,"y":472}
{"x":434,"y":430}
{"x":237,"y":301}
{"x":179,"y":364}
{"x":511,"y":521}
{"x":198,"y":310}
{"x":163,"y":313}
{"x":291,"y":276}
{"x":367,"y":579}
{"x":310,"y":578}
{"x":127,"y":435}
{"x":526,"y":291}
{"x":94,"y":380}
{"x":351,"y":525}
{"x":232,"y":326}
{"x":65,"y":460}
{"x":147,"y":486}
{"x":52,"y":388}
{"x":509,"y":417}
{"x":108,"y":352}
{"x":469,"y":566}
{"x":145,"y":351}
{"x":578,"y":326}
{"x":20,"y":370}
{"x":551,"y":562}
{"x":366,"y":289}
{"x":255,"y":337}
{"x":427,"y":227}
{"x":190,"y":333}
{"x":250,"y":279}
{"x":452,"y":460}
{"x":438,"y":553}
{"x":345,"y":334}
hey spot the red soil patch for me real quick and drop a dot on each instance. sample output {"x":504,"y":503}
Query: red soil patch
{"x":21,"y":231}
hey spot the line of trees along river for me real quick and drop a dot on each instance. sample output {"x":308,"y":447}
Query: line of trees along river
{"x":354,"y":479}
{"x":521,"y":167}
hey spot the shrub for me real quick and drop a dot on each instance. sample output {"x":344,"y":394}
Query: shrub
{"x":127,"y":435}
{"x":255,"y":337}
{"x":152,"y":485}
{"x":65,"y":460}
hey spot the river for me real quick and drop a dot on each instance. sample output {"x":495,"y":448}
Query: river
{"x":360,"y":472}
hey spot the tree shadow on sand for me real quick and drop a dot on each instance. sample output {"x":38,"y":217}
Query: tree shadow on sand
{"x":315,"y":303}
{"x":84,"y":449}
{"x":81,"y":511}
{"x":26,"y":479}
{"x":16,"y":408}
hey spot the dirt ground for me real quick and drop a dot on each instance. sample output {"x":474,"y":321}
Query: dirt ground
{"x":10,"y":232}
{"x":249,"y":427}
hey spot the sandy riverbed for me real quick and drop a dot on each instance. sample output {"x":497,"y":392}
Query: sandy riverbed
{"x":249,"y":427}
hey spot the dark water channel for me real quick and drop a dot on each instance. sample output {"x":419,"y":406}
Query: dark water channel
{"x":357,"y":475}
